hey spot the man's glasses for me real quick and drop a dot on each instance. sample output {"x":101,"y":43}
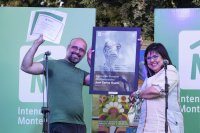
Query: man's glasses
{"x":75,"y":48}
{"x":155,"y":57}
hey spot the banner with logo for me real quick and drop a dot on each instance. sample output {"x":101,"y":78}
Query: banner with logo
{"x":179,"y":31}
{"x":22,"y":94}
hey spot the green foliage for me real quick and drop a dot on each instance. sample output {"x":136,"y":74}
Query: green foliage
{"x":196,"y":3}
{"x":123,"y":13}
{"x":40,"y":3}
{"x":184,"y":3}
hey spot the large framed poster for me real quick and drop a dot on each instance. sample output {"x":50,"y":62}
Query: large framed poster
{"x":115,"y":62}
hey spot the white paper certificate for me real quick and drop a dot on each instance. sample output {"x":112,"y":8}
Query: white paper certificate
{"x":48,"y":26}
{"x":50,"y":23}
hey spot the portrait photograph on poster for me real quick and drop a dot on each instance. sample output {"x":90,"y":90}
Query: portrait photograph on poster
{"x":115,"y":62}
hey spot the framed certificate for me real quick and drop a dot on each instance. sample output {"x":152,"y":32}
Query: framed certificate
{"x":115,"y":62}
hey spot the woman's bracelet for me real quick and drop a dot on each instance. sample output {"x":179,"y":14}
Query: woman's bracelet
{"x":137,"y":94}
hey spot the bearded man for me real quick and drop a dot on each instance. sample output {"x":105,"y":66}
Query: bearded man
{"x":65,"y":85}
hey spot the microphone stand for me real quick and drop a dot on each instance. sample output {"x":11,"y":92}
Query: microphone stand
{"x":46,"y":110}
{"x":166,"y":98}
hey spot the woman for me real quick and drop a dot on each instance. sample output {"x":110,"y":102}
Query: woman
{"x":152,"y":119}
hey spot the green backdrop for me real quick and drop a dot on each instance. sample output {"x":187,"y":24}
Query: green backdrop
{"x":179,"y":31}
{"x":18,"y":115}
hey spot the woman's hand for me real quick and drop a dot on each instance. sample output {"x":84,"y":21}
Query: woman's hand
{"x":133,"y":94}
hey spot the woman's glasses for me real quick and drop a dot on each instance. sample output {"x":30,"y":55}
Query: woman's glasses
{"x":155,"y":57}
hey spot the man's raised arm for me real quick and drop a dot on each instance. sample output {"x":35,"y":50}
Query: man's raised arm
{"x":28,"y":65}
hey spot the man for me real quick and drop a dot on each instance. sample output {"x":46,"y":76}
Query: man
{"x":65,"y":85}
{"x":111,"y":52}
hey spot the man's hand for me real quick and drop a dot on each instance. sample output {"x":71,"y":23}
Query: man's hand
{"x":39,"y":41}
{"x":89,"y":56}
{"x":28,"y":65}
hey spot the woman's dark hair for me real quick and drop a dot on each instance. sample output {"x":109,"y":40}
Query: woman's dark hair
{"x":157,"y":48}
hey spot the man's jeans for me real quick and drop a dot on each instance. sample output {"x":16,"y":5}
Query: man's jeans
{"x":67,"y":128}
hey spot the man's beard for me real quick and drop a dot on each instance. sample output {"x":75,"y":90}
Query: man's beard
{"x":73,"y":60}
